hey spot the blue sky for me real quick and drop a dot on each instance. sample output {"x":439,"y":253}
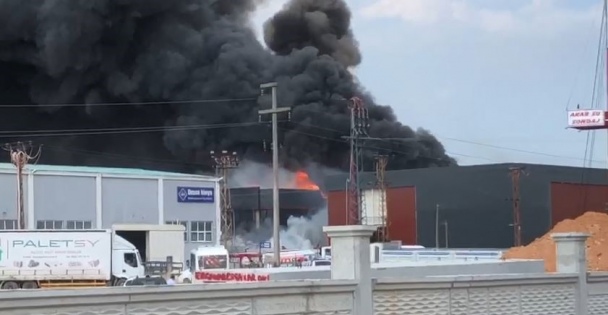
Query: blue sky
{"x":492,"y":79}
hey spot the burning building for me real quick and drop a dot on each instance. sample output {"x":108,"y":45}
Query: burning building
{"x":253,"y":205}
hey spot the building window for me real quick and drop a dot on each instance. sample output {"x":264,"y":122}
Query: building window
{"x":8,"y":224}
{"x":201,"y":231}
{"x":184,"y":223}
{"x":49,"y":225}
{"x":79,"y":225}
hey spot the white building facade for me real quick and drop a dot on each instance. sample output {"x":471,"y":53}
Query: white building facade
{"x":69,"y":197}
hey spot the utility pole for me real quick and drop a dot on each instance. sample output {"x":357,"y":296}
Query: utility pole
{"x":381,"y":163}
{"x":447,"y":235}
{"x":276,"y":218}
{"x":21,"y":155}
{"x":225,"y":161}
{"x":515,"y":172}
{"x":437,"y":226}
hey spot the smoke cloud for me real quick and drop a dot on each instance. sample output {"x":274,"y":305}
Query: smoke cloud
{"x":255,"y":174}
{"x":300,"y":233}
{"x":103,"y":51}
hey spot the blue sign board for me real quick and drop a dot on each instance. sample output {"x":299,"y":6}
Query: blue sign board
{"x":195,"y":194}
{"x":265,"y":245}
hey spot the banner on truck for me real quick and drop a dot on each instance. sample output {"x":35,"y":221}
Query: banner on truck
{"x":64,"y":254}
{"x":195,"y":194}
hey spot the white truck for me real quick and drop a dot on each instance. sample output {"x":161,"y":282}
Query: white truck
{"x":31,"y":259}
{"x":205,"y":258}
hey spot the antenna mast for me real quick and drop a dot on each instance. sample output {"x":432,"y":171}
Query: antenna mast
{"x":359,"y":124}
{"x":225,"y":161}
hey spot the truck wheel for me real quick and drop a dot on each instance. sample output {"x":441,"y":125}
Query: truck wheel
{"x":29,"y":285}
{"x":10,"y":285}
{"x":186,"y":281}
{"x":120,"y":282}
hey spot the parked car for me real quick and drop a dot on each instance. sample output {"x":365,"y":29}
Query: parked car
{"x":146,"y":281}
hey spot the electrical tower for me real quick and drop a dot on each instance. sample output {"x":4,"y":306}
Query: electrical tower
{"x":383,"y":230}
{"x":515,"y":172}
{"x":224,"y":161}
{"x":359,"y":124}
{"x":21,"y":155}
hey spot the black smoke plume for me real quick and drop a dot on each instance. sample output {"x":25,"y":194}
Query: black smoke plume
{"x":133,"y":51}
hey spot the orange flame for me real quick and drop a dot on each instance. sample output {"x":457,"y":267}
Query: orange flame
{"x":304,"y":182}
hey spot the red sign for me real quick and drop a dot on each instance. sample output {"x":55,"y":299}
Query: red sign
{"x":229,"y":277}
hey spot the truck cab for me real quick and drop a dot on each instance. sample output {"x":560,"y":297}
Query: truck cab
{"x":205,"y":258}
{"x":126,"y":261}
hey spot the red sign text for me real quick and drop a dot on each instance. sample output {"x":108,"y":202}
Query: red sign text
{"x":229,"y":277}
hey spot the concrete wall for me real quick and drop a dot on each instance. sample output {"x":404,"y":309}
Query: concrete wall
{"x":415,"y":270}
{"x":511,"y":295}
{"x":303,"y":297}
{"x":351,"y":291}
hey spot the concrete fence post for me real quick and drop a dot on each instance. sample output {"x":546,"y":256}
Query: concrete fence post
{"x":350,"y":260}
{"x":571,"y":257}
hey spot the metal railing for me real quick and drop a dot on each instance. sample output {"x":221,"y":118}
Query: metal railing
{"x":439,"y":255}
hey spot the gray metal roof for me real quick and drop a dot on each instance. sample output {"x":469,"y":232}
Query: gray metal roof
{"x":411,"y":177}
{"x":101,"y":170}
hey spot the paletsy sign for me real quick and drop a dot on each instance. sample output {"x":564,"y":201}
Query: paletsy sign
{"x":206,"y":276}
{"x":586,"y":118}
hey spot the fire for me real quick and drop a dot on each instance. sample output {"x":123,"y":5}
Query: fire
{"x":304,"y":182}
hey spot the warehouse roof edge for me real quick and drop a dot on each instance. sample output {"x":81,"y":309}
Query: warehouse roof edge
{"x":409,"y":177}
{"x":89,"y":171}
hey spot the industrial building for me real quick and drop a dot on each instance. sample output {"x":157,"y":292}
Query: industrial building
{"x":473,"y":206}
{"x":69,"y":197}
{"x":253,"y":205}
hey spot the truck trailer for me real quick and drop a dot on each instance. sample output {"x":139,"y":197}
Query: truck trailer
{"x":31,"y":259}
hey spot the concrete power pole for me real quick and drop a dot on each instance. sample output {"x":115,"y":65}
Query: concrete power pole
{"x":225,"y":161}
{"x":276,"y":218}
{"x":515,"y":172}
{"x":21,"y":155}
{"x":381,"y":163}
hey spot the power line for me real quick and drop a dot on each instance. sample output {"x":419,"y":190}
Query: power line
{"x":104,"y":131}
{"x":470,"y":142}
{"x":201,"y":101}
{"x":136,"y":130}
{"x":371,"y":147}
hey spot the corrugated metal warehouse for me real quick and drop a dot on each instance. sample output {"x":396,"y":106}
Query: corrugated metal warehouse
{"x":475,"y":202}
{"x":69,"y":197}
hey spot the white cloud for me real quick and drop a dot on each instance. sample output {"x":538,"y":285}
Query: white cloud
{"x":264,"y":11}
{"x":535,"y":17}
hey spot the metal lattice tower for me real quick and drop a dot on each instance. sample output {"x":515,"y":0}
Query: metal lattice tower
{"x":383,"y":230}
{"x":21,"y":155}
{"x":515,"y":172}
{"x":359,"y":125}
{"x":223,"y":163}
